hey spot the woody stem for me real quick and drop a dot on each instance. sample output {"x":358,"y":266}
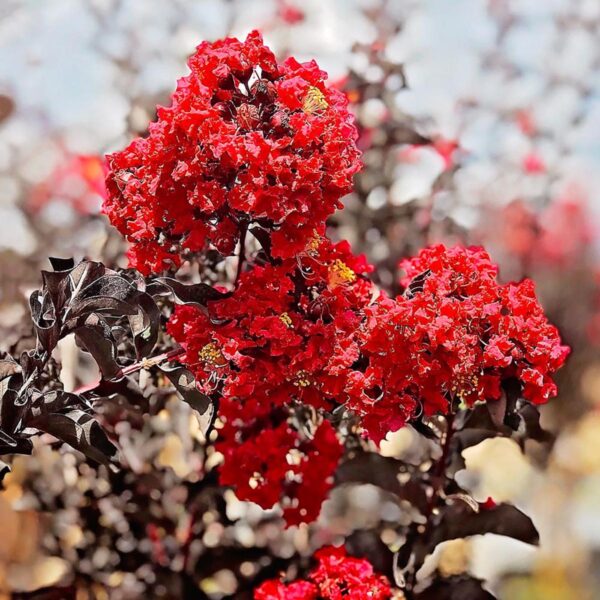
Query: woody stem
{"x":145,"y":363}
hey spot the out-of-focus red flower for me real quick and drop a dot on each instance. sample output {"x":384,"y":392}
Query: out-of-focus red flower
{"x":246,"y":140}
{"x":533,"y":164}
{"x":446,"y":148}
{"x":289,"y":13}
{"x":337,"y":576}
{"x":78,"y":181}
{"x":525,"y":122}
{"x":566,"y":231}
{"x":558,"y":236}
{"x":519,"y":230}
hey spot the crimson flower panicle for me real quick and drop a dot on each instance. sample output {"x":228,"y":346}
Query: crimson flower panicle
{"x":335,"y":577}
{"x":287,"y":337}
{"x":457,"y":333}
{"x":245,"y":140}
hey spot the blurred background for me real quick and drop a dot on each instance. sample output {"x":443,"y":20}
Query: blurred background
{"x":479,"y":123}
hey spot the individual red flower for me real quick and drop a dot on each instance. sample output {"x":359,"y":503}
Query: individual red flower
{"x":533,"y":164}
{"x":289,"y":14}
{"x":337,"y":576}
{"x":246,"y":140}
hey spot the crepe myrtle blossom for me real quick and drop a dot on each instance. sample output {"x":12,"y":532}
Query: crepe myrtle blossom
{"x":293,"y":333}
{"x":458,"y":334}
{"x":249,"y":143}
{"x":315,"y":332}
{"x":245,"y":140}
{"x":335,"y":577}
{"x":287,"y":338}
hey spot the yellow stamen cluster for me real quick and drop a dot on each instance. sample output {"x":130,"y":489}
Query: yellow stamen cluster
{"x":312,"y":248}
{"x":340,"y":273}
{"x":212,"y":355}
{"x":462,"y":387}
{"x":314,"y":101}
{"x":286,"y":320}
{"x":302,"y":379}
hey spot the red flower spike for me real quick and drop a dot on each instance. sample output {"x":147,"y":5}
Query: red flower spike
{"x":245,"y":139}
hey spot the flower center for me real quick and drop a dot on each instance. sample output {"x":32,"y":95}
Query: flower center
{"x":340,"y":273}
{"x":302,"y":379}
{"x":286,"y":320}
{"x":314,"y":101}
{"x":212,"y":355}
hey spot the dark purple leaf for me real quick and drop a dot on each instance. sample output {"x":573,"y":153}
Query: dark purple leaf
{"x":96,"y":337}
{"x":145,"y":325}
{"x":455,"y":588}
{"x":198,"y":293}
{"x":264,"y":239}
{"x":23,"y":446}
{"x":105,"y":305}
{"x":185,"y":384}
{"x":12,"y":409}
{"x":79,"y":430}
{"x":4,"y":469}
{"x":459,"y":521}
{"x":530,"y":419}
{"x":112,"y":285}
{"x":61,"y":264}
{"x":7,"y":440}
{"x":497,"y":410}
{"x":385,"y":473}
{"x":47,"y":326}
{"x":416,"y":284}
{"x":53,"y":401}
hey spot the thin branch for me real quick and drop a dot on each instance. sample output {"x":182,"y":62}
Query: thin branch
{"x":145,"y":363}
{"x":242,"y":253}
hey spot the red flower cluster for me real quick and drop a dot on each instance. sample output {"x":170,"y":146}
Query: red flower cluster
{"x":457,"y":333}
{"x":288,"y":332}
{"x":336,"y":576}
{"x":287,"y":337}
{"x":315,"y":334}
{"x":246,"y":140}
{"x":270,"y":464}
